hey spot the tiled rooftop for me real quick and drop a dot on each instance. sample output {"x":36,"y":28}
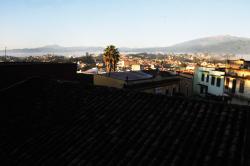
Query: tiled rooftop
{"x":50,"y":123}
{"x":133,"y":75}
{"x":155,"y":73}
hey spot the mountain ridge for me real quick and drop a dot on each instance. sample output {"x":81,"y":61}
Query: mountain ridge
{"x":222,"y":44}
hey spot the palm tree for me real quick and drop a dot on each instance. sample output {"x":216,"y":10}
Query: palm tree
{"x":111,"y":56}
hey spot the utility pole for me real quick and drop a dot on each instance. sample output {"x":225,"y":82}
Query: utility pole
{"x":5,"y":54}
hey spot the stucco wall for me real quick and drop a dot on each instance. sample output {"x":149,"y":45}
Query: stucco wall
{"x":100,"y":80}
{"x":186,"y":85}
{"x":162,"y":90}
{"x":15,"y":72}
{"x":212,"y":89}
{"x":246,"y":93}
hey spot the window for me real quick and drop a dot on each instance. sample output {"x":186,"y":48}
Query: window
{"x":218,"y":82}
{"x":174,"y":91}
{"x":227,"y":83}
{"x":207,"y":78}
{"x":201,"y":90}
{"x":159,"y":90}
{"x":242,"y":84}
{"x":213,"y":80}
{"x":206,"y":90}
{"x":167,"y":92}
{"x":234,"y":86}
{"x":202,"y":77}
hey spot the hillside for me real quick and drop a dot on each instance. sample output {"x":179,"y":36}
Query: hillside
{"x":217,"y":44}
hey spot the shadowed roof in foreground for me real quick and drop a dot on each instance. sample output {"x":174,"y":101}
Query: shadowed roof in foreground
{"x":47,"y":122}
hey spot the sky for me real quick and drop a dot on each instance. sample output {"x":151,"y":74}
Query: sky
{"x":124,"y":23}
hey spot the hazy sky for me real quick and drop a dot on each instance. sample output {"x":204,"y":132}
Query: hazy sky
{"x":132,"y":23}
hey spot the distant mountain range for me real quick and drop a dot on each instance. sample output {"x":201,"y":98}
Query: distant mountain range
{"x":53,"y":49}
{"x":216,"y":44}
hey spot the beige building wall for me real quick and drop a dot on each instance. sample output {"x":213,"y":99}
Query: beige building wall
{"x":136,"y":67}
{"x":151,"y":91}
{"x":167,"y":90}
{"x":100,"y":80}
{"x":163,"y":90}
{"x":107,"y":81}
{"x":246,"y":93}
{"x":186,"y":84}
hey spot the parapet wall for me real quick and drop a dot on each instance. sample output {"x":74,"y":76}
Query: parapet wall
{"x":11,"y":73}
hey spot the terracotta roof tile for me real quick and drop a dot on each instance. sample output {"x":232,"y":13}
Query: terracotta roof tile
{"x":49,"y":123}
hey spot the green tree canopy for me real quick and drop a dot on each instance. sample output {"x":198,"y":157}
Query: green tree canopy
{"x":111,"y":57}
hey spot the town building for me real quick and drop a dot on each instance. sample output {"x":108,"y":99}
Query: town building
{"x":231,"y":83}
{"x":154,"y":82}
{"x":237,"y":81}
{"x":209,"y":81}
{"x":136,"y":67}
{"x":186,"y":84}
{"x":238,"y":64}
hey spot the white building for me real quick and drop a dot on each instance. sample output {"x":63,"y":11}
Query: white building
{"x":136,"y":67}
{"x":121,"y":64}
{"x":209,"y":81}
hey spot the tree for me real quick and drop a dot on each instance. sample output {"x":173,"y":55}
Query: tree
{"x":88,"y":59}
{"x":111,"y":57}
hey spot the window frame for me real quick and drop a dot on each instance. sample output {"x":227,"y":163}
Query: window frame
{"x":213,"y":80}
{"x":207,"y":78}
{"x":202,"y":77}
{"x":218,"y":82}
{"x":242,"y":86}
{"x":227,"y":83}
